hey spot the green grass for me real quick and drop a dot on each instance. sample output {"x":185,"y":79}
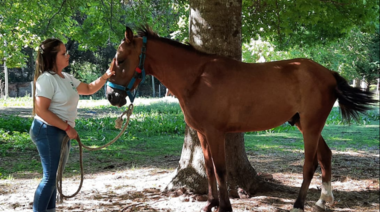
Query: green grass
{"x":156,"y":131}
{"x":338,"y":137}
{"x":17,"y":102}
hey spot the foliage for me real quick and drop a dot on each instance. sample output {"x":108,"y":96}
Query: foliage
{"x":92,"y":24}
{"x":289,"y":23}
{"x":93,"y":29}
{"x":343,"y":56}
{"x":368,"y":66}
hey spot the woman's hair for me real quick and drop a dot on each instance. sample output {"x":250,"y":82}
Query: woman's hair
{"x":46,"y":61}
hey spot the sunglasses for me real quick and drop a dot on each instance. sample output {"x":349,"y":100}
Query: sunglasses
{"x":66,"y":54}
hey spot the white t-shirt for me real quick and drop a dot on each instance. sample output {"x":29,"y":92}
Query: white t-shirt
{"x":63,"y":95}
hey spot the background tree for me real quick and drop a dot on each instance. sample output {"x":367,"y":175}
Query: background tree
{"x":215,"y":28}
{"x":342,"y":55}
{"x":288,"y":23}
{"x":368,"y":67}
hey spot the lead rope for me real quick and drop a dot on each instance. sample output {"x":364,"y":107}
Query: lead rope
{"x":64,"y":149}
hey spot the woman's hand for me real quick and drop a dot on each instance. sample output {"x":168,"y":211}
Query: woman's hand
{"x":88,"y":89}
{"x":72,"y":133}
{"x":110,"y":71}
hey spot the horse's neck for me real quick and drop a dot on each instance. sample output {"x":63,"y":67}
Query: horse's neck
{"x":175,"y":67}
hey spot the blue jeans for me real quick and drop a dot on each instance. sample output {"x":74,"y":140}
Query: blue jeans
{"x":48,"y":140}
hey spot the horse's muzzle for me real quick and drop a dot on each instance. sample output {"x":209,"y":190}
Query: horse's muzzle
{"x":116,"y":98}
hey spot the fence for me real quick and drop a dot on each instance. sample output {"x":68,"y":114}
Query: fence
{"x":19,"y":89}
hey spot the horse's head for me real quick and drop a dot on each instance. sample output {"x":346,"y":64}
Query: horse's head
{"x":125,"y":63}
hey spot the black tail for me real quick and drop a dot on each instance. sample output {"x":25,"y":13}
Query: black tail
{"x":352,"y":101}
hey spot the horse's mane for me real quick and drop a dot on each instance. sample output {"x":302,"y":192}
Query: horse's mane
{"x":151,"y":35}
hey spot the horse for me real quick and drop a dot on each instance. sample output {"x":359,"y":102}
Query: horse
{"x":220,"y":95}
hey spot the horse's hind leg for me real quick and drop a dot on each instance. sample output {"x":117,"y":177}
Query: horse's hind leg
{"x":212,"y":189}
{"x":324,"y":158}
{"x":311,"y":137}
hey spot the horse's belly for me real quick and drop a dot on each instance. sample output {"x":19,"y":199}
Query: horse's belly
{"x":259,"y":120}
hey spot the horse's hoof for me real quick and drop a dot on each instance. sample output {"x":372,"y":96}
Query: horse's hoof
{"x":296,"y":210}
{"x":320,"y":205}
{"x":206,"y":209}
{"x":317,"y":208}
{"x":221,"y":210}
{"x":210,"y":204}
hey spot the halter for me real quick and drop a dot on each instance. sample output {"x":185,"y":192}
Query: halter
{"x":139,"y":74}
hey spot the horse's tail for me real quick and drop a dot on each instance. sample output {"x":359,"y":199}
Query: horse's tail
{"x":352,"y":101}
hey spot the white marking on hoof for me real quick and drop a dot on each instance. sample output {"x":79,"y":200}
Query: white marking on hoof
{"x":321,"y":204}
{"x":326,"y":196}
{"x":296,"y":210}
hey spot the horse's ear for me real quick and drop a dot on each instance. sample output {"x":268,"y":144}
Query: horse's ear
{"x":128,"y":35}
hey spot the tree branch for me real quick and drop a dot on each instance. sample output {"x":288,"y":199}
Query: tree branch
{"x":279,"y":22}
{"x":47,"y":27}
{"x":111,"y":15}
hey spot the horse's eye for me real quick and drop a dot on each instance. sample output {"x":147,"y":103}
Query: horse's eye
{"x":120,"y":62}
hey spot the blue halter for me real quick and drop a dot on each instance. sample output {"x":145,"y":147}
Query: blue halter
{"x":139,"y":74}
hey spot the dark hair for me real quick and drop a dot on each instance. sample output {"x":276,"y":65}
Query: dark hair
{"x":46,"y":61}
{"x":46,"y":55}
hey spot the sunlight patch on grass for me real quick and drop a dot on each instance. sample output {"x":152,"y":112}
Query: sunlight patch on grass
{"x":17,"y":102}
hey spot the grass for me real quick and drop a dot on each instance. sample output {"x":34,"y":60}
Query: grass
{"x":156,"y":131}
{"x":338,"y":137}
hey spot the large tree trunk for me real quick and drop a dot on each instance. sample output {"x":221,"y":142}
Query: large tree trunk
{"x":190,"y":172}
{"x":368,"y":86}
{"x":215,"y":27}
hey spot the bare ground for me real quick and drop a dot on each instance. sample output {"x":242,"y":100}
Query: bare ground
{"x":122,"y":187}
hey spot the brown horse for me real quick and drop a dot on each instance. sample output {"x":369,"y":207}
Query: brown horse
{"x":219,"y":95}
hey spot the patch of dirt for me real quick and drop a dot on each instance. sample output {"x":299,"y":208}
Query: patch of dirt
{"x":118,"y":187}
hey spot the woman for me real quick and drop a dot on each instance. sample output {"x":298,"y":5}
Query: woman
{"x":55,"y":101}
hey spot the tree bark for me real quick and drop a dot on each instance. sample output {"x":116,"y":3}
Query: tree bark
{"x":190,"y":172}
{"x":368,"y":86}
{"x":6,"y":84}
{"x":356,"y":83}
{"x":215,"y":27}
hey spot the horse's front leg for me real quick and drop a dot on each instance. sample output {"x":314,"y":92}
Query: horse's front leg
{"x":216,"y":146}
{"x":212,"y":189}
{"x":324,"y":158}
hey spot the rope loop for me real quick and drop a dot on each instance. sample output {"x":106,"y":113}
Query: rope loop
{"x":64,"y":149}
